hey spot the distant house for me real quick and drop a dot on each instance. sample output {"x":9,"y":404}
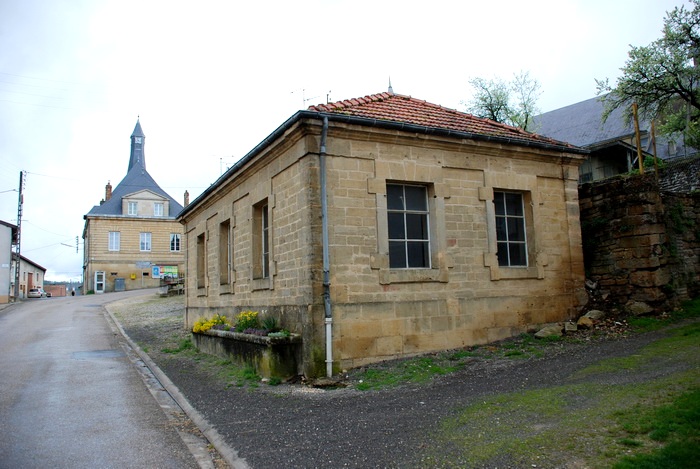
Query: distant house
{"x":386,"y":226}
{"x":612,"y":144}
{"x":8,"y":239}
{"x":132,"y":238}
{"x":31,"y":275}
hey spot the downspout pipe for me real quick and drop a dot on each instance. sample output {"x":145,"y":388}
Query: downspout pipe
{"x":326,"y":258}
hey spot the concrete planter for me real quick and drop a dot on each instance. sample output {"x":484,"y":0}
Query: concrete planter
{"x":278,"y":357}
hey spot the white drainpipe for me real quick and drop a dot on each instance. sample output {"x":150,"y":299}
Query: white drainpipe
{"x":326,"y":258}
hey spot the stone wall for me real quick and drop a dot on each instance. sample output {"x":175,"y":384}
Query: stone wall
{"x":641,"y":244}
{"x":463,"y":296}
{"x":681,"y":175}
{"x":125,"y":262}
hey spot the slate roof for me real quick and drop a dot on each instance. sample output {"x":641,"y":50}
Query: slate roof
{"x":581,"y":124}
{"x":137,"y":130}
{"x":399,"y":108}
{"x":136,"y":179}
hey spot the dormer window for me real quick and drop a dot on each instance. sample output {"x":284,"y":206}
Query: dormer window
{"x":133,"y":208}
{"x":158,"y":209}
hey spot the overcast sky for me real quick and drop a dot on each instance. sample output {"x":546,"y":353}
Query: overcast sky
{"x":210,"y":79}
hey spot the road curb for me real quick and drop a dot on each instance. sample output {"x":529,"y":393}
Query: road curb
{"x":228,"y":453}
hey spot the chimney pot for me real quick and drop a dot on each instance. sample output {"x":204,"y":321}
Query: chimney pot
{"x":108,"y":191}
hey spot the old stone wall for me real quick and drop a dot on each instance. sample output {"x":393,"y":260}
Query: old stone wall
{"x":681,"y":175}
{"x":640,"y":244}
{"x":462,"y":294}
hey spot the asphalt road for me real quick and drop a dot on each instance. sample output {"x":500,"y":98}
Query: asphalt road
{"x":70,"y":397}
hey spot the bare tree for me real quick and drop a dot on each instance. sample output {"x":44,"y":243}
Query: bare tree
{"x":513,"y":103}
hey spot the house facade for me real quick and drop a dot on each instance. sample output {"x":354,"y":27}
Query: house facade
{"x":132,"y":238}
{"x":8,"y":239}
{"x":386,"y":226}
{"x":31,"y":275}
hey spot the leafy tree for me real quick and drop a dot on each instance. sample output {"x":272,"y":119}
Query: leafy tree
{"x":662,"y":78}
{"x":513,"y":103}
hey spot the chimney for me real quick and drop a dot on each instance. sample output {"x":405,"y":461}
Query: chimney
{"x":108,"y":191}
{"x":187,"y":198}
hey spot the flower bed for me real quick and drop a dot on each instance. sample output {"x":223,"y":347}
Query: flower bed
{"x":273,"y":353}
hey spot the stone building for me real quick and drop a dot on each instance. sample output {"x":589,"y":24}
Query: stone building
{"x":386,"y":226}
{"x":132,"y":238}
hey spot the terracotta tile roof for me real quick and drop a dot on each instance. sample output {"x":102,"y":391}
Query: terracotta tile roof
{"x":392,"y":107}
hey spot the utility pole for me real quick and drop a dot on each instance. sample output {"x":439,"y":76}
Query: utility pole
{"x":16,"y":257}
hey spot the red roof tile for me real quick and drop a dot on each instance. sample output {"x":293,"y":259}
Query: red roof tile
{"x":405,"y":109}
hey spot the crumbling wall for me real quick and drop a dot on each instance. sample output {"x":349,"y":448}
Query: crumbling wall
{"x":640,"y":244}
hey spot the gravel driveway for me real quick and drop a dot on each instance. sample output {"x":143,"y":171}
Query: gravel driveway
{"x":289,"y":426}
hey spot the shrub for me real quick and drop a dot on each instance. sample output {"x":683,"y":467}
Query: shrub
{"x":218,"y":322}
{"x":247,"y":320}
{"x":270,"y":324}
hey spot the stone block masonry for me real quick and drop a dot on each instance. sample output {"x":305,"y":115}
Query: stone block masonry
{"x":640,"y":243}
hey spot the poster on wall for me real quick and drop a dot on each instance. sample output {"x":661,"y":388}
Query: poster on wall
{"x":162,"y":271}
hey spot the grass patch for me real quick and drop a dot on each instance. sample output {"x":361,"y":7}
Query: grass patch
{"x":653,"y":424}
{"x":424,"y":368}
{"x":677,"y":424}
{"x":183,"y":346}
{"x":550,"y":427}
{"x":232,"y":373}
{"x":689,"y":310}
{"x":680,"y":345}
{"x":415,"y":370}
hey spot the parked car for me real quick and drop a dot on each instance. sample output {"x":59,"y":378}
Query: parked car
{"x":34,"y":293}
{"x":48,"y":294}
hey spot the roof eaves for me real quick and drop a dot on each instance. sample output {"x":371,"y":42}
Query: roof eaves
{"x":389,"y":124}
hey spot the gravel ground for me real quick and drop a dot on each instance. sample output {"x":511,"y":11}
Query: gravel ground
{"x":302,"y":426}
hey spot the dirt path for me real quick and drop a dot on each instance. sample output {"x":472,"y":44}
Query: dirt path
{"x":298,"y":426}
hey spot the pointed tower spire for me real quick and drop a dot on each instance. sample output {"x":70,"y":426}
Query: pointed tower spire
{"x":391,"y":90}
{"x":138,"y":142}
